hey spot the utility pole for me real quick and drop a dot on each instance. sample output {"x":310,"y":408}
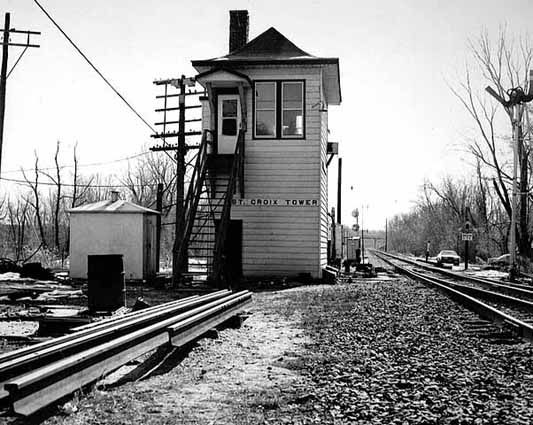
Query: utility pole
{"x":339,"y":191}
{"x":180,"y":169}
{"x":7,"y":31}
{"x":333,"y":236}
{"x":159,"y":207}
{"x":362,"y":238}
{"x":516,"y":102}
{"x":178,"y":266}
{"x":3,"y":80}
{"x":386,"y":231}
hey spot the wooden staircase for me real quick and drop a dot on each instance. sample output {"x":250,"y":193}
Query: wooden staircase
{"x":208,"y":203}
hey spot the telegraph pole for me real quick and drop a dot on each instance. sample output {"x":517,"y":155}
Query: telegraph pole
{"x":333,"y":236}
{"x":3,"y":80}
{"x":178,"y":267}
{"x":386,"y":236}
{"x":3,"y":70}
{"x":159,"y":207}
{"x":362,"y":237}
{"x":339,"y":191}
{"x":180,"y":169}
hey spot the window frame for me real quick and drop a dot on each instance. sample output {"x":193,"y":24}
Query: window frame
{"x":266,"y":136}
{"x":283,"y":109}
{"x":234,"y":118}
{"x":278,"y":84}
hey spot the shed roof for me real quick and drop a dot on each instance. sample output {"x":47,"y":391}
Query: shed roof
{"x":273,"y":48}
{"x":117,"y":207}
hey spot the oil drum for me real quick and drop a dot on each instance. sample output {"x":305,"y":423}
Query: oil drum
{"x":106,"y":285}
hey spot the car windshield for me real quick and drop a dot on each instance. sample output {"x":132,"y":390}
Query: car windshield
{"x":448,"y":253}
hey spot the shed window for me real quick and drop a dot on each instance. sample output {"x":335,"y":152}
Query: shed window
{"x":279,"y":109}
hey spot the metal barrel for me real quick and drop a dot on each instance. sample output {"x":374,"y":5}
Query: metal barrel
{"x":106,"y":285}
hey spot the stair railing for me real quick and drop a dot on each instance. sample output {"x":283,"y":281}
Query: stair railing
{"x":218,"y":275}
{"x":193,"y":197}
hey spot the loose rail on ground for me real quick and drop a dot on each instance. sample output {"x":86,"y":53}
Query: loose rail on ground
{"x":36,"y":376}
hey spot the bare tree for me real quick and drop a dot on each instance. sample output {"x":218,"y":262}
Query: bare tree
{"x":142,"y":177}
{"x":503,"y":66}
{"x":17,"y":215}
{"x":36,"y":202}
{"x":56,"y":198}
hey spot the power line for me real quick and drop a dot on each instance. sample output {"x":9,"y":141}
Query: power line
{"x":93,"y":66}
{"x":24,"y":182}
{"x":98,"y":72}
{"x":93,"y":164}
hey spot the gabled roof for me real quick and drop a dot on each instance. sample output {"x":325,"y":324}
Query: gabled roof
{"x":221,"y":75}
{"x":268,"y":46}
{"x":273,"y":48}
{"x":117,"y":207}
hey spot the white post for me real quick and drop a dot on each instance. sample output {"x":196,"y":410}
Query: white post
{"x":512,"y":249}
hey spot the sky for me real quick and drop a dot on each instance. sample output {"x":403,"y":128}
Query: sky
{"x":398,"y":123}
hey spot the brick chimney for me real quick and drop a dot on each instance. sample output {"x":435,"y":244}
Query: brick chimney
{"x":238,"y":29}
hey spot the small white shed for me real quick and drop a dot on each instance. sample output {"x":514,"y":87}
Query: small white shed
{"x":114,"y":227}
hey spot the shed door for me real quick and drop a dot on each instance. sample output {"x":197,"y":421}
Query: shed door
{"x":229,"y":122}
{"x":149,"y":266}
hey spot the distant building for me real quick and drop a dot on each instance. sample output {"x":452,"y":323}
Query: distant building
{"x":114,"y":227}
{"x":279,"y":96}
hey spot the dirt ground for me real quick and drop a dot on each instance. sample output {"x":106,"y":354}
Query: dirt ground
{"x":236,"y":378}
{"x":375,"y":351}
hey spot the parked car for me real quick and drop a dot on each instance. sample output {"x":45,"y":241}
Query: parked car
{"x":501,"y":261}
{"x":448,"y":256}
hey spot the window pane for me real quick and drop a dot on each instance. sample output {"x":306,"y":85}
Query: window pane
{"x":265,"y":123}
{"x":229,"y":108}
{"x":293,"y":123}
{"x":292,"y":95}
{"x":229,"y":127}
{"x":265,"y":96}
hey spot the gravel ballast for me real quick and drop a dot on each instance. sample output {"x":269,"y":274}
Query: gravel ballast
{"x":385,"y":351}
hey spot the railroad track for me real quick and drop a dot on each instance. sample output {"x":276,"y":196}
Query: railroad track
{"x":36,"y":376}
{"x":509,"y":288}
{"x":491,"y":301}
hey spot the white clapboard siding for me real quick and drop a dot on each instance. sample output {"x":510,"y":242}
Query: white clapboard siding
{"x":293,"y":172}
{"x":324,"y":218}
{"x":280,"y":239}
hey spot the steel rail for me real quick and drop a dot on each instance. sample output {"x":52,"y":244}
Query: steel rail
{"x":486,"y":311}
{"x":185,"y":331}
{"x":5,"y":357}
{"x":36,"y":389}
{"x":45,"y":344}
{"x":33,"y":357}
{"x":144,"y":311}
{"x":507,"y":289}
{"x":491,"y":295}
{"x":512,"y":284}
